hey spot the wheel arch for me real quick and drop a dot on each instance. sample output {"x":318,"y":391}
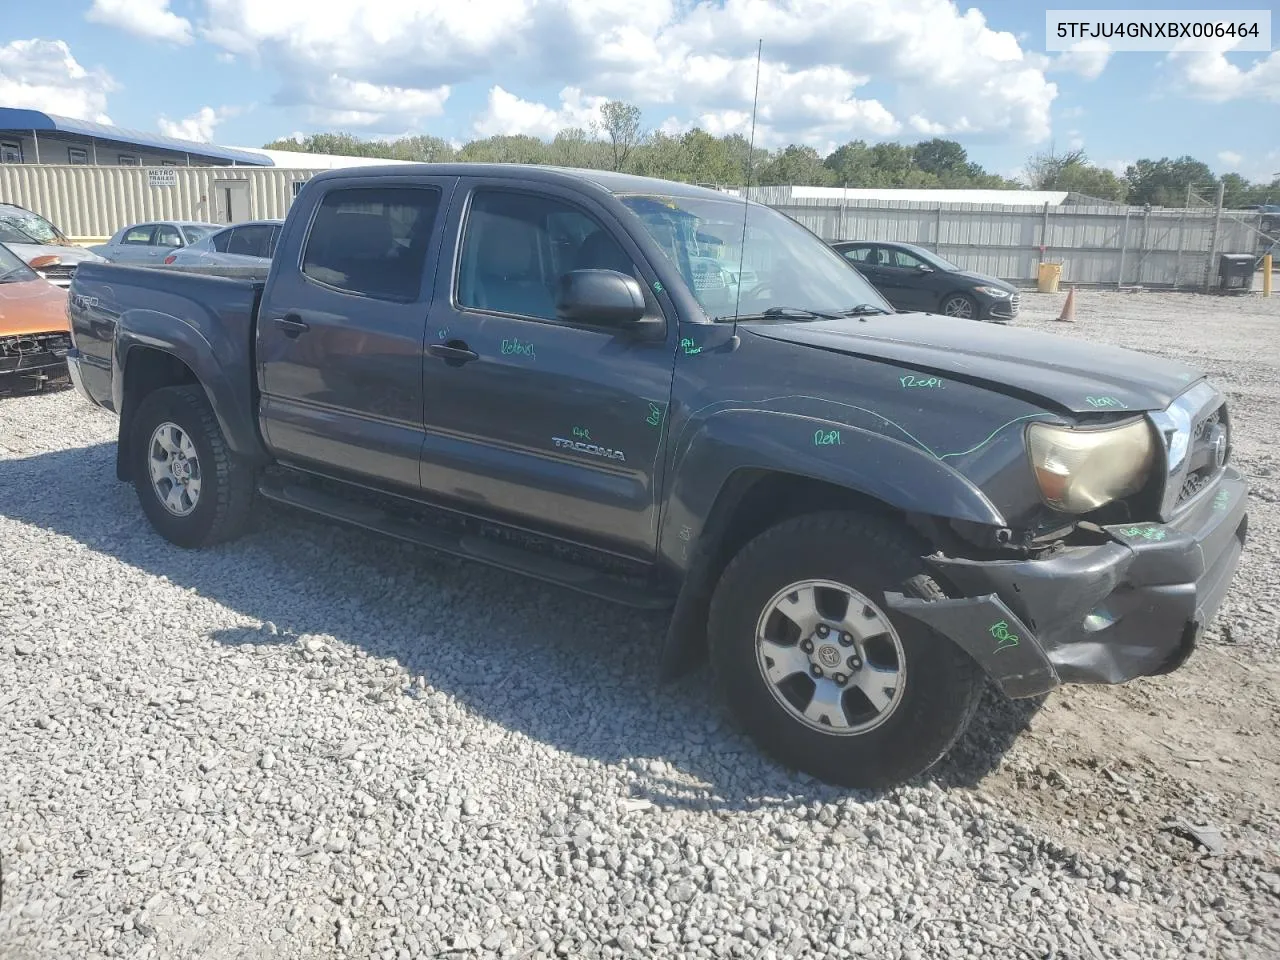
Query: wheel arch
{"x":730,"y":506}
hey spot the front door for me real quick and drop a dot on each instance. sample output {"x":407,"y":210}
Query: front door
{"x":340,"y":341}
{"x":531,"y":420}
{"x":913,"y":281}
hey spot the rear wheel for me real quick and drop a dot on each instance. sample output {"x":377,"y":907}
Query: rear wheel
{"x":818,"y":671}
{"x":960,"y":305}
{"x":195,"y":491}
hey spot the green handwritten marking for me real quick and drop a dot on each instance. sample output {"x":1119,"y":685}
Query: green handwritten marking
{"x":655,"y":415}
{"x":1103,"y":402}
{"x":827,"y":438}
{"x":1147,"y":532}
{"x":1004,"y":639}
{"x":518,"y":348}
{"x":687,"y":346}
{"x":929,"y":382}
{"x":1222,"y":500}
{"x":582,"y":432}
{"x":871,"y":413}
{"x":657,"y":286}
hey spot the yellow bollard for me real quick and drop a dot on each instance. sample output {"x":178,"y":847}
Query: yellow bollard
{"x":1266,"y":275}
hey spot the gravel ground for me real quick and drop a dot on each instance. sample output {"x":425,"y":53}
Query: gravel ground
{"x":315,"y":743}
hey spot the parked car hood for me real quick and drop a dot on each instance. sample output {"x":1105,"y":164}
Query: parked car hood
{"x":29,"y":251}
{"x":985,"y":280}
{"x":32,"y":306}
{"x":1074,"y":375}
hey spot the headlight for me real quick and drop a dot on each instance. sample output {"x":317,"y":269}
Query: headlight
{"x":1079,"y":470}
{"x":992,"y":291}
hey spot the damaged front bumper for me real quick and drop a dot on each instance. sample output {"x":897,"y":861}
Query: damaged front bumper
{"x":35,"y":355}
{"x":1133,"y":606}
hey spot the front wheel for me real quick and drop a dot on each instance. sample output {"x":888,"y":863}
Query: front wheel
{"x":960,"y":305}
{"x":817,"y":670}
{"x":195,"y":491}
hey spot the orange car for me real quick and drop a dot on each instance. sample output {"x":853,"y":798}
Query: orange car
{"x":34,"y":335}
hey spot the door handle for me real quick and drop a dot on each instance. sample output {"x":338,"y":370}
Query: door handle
{"x":454,"y":355}
{"x":292,"y":325}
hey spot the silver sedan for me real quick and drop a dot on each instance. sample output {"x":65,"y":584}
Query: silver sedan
{"x":150,"y":243}
{"x":246,"y":244}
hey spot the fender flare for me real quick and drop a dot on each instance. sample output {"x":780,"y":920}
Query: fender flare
{"x":221,"y":365}
{"x":705,"y":491}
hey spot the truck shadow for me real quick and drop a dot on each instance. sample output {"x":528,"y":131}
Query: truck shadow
{"x":564,"y":669}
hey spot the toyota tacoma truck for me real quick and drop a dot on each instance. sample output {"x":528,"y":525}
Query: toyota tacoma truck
{"x":672,"y":398}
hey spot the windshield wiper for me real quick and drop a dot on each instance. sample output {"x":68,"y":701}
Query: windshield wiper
{"x":789,"y":313}
{"x":862,"y":309}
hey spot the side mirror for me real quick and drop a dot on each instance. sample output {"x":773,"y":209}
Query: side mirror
{"x":924,"y":268}
{"x":48,"y":260}
{"x":600,"y":297}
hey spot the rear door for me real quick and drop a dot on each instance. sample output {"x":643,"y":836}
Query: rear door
{"x":531,"y":420}
{"x":167,"y":239}
{"x":340,"y":330}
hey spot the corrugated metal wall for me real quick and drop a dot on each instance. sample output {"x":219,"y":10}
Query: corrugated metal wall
{"x":1095,"y":244}
{"x":86,"y":201}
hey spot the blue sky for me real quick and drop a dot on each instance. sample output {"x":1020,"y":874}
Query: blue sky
{"x":243,"y":72}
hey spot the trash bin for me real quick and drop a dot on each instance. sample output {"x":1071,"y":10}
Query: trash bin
{"x":1050,"y":275}
{"x":1235,"y":272}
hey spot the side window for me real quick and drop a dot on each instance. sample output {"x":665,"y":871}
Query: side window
{"x":857,"y":254}
{"x":10,"y":151}
{"x":167,"y":235}
{"x":903,"y":259}
{"x":516,"y":246}
{"x":221,"y":239}
{"x":271,"y":244}
{"x":77,"y":157}
{"x":372,"y":241}
{"x":250,"y":241}
{"x":140,"y":235}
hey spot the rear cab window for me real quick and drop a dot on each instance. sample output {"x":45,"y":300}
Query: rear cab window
{"x":372,"y":241}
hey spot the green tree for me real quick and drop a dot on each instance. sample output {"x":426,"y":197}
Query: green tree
{"x":1164,"y":182}
{"x":796,"y":166}
{"x":621,"y":124}
{"x":945,"y":159}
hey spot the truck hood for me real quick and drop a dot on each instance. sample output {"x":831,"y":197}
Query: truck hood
{"x":1071,"y":374}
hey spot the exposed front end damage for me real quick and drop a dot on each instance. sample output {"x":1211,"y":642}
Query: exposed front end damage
{"x":34,"y":358}
{"x":1133,"y":604}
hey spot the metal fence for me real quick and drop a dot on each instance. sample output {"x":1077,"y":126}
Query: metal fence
{"x":1102,"y":244}
{"x":1096,"y":245}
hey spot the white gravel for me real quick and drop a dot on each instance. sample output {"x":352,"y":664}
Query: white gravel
{"x":316,"y":743}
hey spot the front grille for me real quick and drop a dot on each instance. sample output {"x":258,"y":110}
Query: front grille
{"x":1202,"y":464}
{"x":1008,"y":308}
{"x":60,"y":273}
{"x":34,"y":352}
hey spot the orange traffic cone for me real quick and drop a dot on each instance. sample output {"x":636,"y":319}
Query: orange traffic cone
{"x":1068,"y":313}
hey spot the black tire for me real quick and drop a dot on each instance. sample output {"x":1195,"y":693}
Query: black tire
{"x":959,"y":298}
{"x":226,"y":493}
{"x":942,"y":685}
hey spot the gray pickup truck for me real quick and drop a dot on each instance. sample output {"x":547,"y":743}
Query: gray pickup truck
{"x":670,"y":398}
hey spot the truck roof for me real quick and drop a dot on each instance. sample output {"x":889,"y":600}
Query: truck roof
{"x":617,"y":183}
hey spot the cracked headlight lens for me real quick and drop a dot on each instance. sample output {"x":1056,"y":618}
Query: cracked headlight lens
{"x":1079,"y":470}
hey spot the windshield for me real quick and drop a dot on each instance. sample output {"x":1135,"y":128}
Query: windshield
{"x":783,"y":266}
{"x":12,"y":269}
{"x":35,"y":228}
{"x":196,"y":234}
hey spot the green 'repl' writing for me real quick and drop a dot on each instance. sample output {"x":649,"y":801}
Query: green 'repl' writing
{"x":827,"y":438}
{"x":1003,"y":637}
{"x":655,"y":415}
{"x":582,"y":433}
{"x":1222,"y":500}
{"x":929,"y":382}
{"x":1149,"y":532}
{"x":1101,"y":403}
{"x":688,"y":347}
{"x":518,"y":348}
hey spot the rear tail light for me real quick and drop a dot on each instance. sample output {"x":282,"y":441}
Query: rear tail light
{"x":170,"y":258}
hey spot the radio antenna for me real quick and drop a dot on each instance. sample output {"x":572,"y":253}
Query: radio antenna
{"x":746,"y":191}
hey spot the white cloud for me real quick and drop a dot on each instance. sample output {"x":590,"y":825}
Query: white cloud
{"x":1209,"y":75}
{"x":343,"y":102}
{"x":1074,"y":140}
{"x":43,"y":75}
{"x":146,"y":18}
{"x":199,"y":126}
{"x":1230,"y":159}
{"x":1088,"y":58}
{"x":667,"y":56}
{"x":508,"y":114}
